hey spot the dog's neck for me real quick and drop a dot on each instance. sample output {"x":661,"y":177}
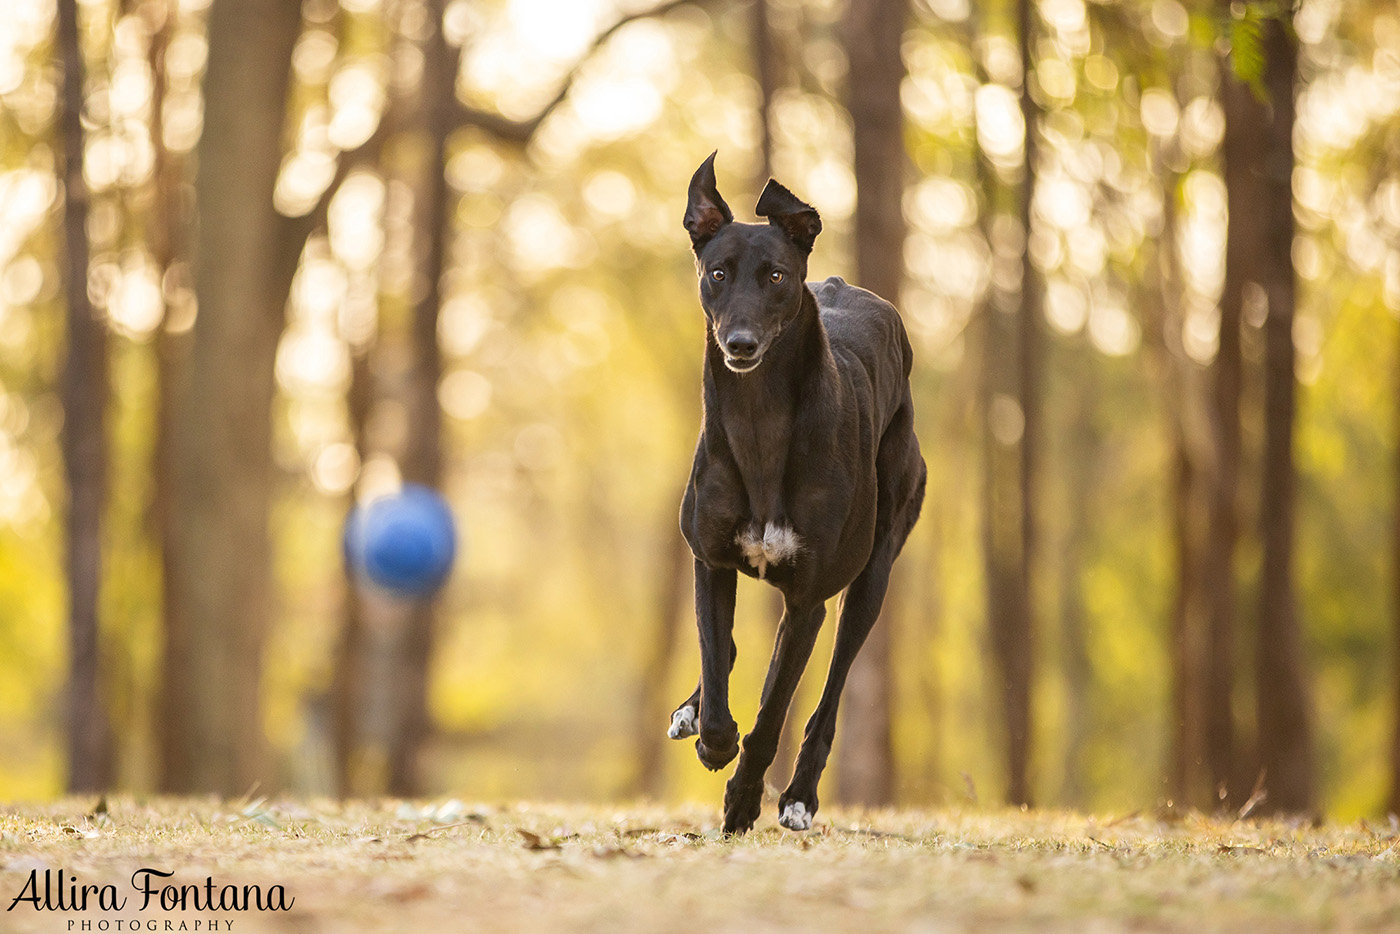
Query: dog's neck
{"x":756,"y":411}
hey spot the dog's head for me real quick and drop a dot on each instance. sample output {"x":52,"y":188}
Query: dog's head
{"x":752,"y":276}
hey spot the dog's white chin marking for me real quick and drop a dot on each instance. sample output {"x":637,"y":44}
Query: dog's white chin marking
{"x":795,"y":816}
{"x":746,"y":366}
{"x":683,"y":723}
{"x":776,"y":545}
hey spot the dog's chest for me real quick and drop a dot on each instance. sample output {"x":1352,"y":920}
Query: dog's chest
{"x":766,"y":544}
{"x":765,"y":533}
{"x":759,"y":438}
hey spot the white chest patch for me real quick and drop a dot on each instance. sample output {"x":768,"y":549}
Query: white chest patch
{"x":775,"y":545}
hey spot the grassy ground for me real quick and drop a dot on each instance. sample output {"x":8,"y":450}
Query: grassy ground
{"x":391,"y":866}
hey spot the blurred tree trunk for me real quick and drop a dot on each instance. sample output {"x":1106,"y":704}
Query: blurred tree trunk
{"x":652,"y":706}
{"x":1085,"y":445}
{"x":422,"y":459}
{"x":84,"y":441}
{"x":1186,"y":652}
{"x":359,"y":689}
{"x":1004,"y":555}
{"x":1190,"y":444}
{"x":1241,"y":153}
{"x":222,"y":450}
{"x":765,"y":67}
{"x":1014,"y":635}
{"x":872,"y":34}
{"x":348,"y":677}
{"x":1393,"y":800}
{"x":1282,"y":691}
{"x":167,"y":232}
{"x":1007,"y":606}
{"x":1010,"y":400}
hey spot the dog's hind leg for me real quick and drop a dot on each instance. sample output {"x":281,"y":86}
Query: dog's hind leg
{"x":685,"y":719}
{"x":798,"y":804}
{"x":714,"y":613}
{"x":743,"y":795}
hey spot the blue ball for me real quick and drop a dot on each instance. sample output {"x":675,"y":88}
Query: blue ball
{"x":404,"y":543}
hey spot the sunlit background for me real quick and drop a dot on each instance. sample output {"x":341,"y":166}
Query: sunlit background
{"x":571,"y":338}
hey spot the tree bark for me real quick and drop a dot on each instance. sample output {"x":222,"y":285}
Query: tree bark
{"x":1240,"y":153}
{"x":1009,"y":393}
{"x":222,"y":452}
{"x":1282,"y":690}
{"x":872,"y":33}
{"x":1393,"y":799}
{"x":422,"y":460}
{"x":1085,"y":445}
{"x":765,"y":69}
{"x":168,"y":231}
{"x":84,"y":441}
{"x":671,"y":599}
{"x":347,"y":692}
{"x":1015,"y":640}
{"x":1181,"y":381}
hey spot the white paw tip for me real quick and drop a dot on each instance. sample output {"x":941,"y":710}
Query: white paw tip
{"x":683,"y":723}
{"x":795,"y":816}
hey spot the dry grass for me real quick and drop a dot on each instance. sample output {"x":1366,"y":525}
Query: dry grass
{"x":389,"y":866}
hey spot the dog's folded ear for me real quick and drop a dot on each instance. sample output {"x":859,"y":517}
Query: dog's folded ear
{"x":798,"y":219}
{"x":705,"y":212}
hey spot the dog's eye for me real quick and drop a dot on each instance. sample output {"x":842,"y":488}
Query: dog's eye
{"x":717,"y":275}
{"x":775,"y":277}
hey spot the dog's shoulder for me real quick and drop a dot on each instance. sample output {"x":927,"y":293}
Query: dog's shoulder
{"x":835,"y":292}
{"x":839,"y":296}
{"x":863,"y":322}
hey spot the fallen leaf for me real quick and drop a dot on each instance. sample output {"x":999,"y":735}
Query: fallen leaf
{"x":423,"y":835}
{"x":534,"y":841}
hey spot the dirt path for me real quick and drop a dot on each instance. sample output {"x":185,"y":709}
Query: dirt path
{"x":389,"y":866}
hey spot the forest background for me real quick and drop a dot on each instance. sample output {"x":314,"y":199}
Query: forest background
{"x":259,"y":259}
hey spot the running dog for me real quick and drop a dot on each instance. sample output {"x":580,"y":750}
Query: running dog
{"x":807,"y":476}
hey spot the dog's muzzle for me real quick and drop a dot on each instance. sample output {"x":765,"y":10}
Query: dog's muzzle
{"x":737,"y":365}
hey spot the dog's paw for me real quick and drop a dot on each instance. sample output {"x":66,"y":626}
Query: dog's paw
{"x":717,"y":748}
{"x":715,"y":759}
{"x":684,"y":722}
{"x":795,"y":816}
{"x":742,"y":802}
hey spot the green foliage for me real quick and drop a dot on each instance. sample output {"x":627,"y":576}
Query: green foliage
{"x":1243,"y":33}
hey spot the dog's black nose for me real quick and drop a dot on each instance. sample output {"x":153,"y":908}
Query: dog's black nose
{"x":741,"y":345}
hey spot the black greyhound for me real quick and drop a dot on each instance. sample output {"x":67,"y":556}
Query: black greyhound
{"x":807,"y":475}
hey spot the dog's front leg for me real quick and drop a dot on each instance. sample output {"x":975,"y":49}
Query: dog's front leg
{"x":743,"y":795}
{"x":714,"y":613}
{"x":685,"y":719}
